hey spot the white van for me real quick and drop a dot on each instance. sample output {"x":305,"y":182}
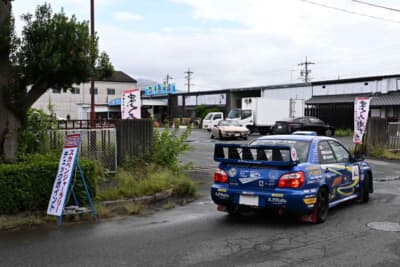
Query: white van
{"x":212,"y":119}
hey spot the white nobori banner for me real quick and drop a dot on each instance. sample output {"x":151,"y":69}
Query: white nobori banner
{"x":361,"y":111}
{"x":64,"y":174}
{"x":130,"y":104}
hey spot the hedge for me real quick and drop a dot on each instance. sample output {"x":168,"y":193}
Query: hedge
{"x":27,"y":186}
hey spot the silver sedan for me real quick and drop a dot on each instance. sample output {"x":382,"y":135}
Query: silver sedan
{"x":229,"y":129}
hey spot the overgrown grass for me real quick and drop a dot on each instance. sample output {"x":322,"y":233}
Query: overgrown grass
{"x":344,"y":132}
{"x":381,"y":152}
{"x":147,"y":179}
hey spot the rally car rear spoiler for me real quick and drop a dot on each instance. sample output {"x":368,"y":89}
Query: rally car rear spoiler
{"x":271,"y":155}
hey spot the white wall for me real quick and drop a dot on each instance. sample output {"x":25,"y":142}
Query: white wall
{"x":65,"y":103}
{"x":287,"y":93}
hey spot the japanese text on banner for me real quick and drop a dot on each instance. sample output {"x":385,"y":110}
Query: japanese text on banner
{"x":361,"y":111}
{"x":130,"y":106}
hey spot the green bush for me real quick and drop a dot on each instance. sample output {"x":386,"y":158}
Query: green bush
{"x":33,"y":135}
{"x":202,"y":110}
{"x":344,"y":132}
{"x":168,"y":145}
{"x":27,"y":185}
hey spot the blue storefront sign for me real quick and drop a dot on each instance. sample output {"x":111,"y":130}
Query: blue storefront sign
{"x":159,"y":89}
{"x":115,"y":102}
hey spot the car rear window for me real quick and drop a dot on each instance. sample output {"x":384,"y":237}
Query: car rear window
{"x":302,"y":147}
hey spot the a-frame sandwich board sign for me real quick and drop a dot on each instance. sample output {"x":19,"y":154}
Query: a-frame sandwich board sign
{"x":63,"y":182}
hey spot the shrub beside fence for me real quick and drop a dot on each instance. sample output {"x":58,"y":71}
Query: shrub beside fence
{"x":28,"y":185}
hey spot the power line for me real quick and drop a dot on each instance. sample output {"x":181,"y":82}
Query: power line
{"x":349,"y":11}
{"x":374,"y":5}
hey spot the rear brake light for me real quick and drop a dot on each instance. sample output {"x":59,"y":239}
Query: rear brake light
{"x":291,"y":180}
{"x":220,"y":176}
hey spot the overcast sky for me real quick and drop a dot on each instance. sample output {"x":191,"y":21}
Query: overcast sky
{"x":241,"y":43}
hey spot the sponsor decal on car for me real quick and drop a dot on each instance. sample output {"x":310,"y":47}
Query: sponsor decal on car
{"x":314,"y":170}
{"x":277,"y":200}
{"x":222,"y":195}
{"x":308,"y":200}
{"x":232,"y":172}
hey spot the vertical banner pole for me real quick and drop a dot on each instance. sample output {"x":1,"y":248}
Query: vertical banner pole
{"x":87,"y":191}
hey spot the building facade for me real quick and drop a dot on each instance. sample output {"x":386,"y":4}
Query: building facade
{"x":74,"y":103}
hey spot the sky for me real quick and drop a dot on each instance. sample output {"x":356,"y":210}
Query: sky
{"x":241,"y":43}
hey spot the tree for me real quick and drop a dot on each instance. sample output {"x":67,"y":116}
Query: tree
{"x":54,"y":51}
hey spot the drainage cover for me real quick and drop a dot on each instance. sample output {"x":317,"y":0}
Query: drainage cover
{"x":385,"y":226}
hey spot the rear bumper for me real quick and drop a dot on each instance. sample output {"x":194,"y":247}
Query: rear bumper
{"x":293,"y":201}
{"x":234,"y":135}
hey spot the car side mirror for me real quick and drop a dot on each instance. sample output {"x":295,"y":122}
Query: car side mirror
{"x":358,"y":156}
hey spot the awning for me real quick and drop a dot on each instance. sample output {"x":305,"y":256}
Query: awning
{"x":332,"y":99}
{"x":392,"y":99}
{"x":115,"y":102}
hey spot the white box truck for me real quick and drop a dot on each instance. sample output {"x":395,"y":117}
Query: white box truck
{"x":259,"y":114}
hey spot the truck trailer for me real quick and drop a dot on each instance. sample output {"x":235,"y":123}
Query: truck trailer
{"x":259,"y":114}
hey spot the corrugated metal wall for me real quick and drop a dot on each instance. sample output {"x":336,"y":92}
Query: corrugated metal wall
{"x":134,"y":138}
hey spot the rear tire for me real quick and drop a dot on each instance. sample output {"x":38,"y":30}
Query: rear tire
{"x":320,"y":212}
{"x":364,"y":190}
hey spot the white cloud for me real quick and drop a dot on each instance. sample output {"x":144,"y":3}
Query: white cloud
{"x":127,"y":16}
{"x":270,"y":39}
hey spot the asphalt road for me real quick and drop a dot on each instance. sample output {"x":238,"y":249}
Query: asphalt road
{"x":198,"y":235}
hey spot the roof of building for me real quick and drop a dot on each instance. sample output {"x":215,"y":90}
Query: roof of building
{"x":390,"y":99}
{"x":332,"y":99}
{"x":357,"y":79}
{"x":121,"y":77}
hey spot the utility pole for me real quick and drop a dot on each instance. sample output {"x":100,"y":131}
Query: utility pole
{"x":168,"y":78}
{"x":306,"y":71}
{"x":188,"y":77}
{"x":92,"y":110}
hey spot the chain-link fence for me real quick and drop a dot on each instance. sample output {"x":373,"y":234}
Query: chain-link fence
{"x":96,"y":144}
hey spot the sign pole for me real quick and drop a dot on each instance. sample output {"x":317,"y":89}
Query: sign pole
{"x":63,"y":185}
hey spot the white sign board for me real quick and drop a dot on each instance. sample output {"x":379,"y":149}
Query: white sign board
{"x":130,"y":104}
{"x":190,"y":100}
{"x":214,"y":99}
{"x":361,"y":111}
{"x":64,"y":174}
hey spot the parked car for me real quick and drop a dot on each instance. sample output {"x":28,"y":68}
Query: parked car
{"x":299,"y":174}
{"x":303,"y":124}
{"x":229,"y":129}
{"x":212,"y":119}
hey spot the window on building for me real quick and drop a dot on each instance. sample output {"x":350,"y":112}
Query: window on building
{"x":56,"y":91}
{"x":110,"y":91}
{"x":95,"y":91}
{"x":75,"y":90}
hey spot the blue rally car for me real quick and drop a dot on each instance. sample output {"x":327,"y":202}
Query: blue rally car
{"x":300,"y":174}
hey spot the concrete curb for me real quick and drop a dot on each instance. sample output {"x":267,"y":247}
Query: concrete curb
{"x":142,"y":200}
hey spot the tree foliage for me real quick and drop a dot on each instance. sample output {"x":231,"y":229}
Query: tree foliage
{"x":54,"y":51}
